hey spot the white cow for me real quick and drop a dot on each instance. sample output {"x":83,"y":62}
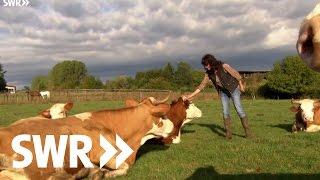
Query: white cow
{"x":45,"y":94}
{"x":56,"y":111}
{"x":307,"y":115}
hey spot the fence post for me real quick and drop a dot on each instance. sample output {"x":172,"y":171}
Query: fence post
{"x":140,"y":95}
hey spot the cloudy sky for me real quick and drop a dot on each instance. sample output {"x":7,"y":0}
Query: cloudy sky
{"x":120,"y":37}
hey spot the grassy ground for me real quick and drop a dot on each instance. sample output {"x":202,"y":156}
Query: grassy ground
{"x":204,"y":153}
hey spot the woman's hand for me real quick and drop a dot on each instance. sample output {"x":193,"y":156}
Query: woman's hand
{"x":190,"y":96}
{"x":241,"y":86}
{"x":185,"y":97}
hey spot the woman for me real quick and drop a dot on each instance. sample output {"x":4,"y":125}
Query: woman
{"x":227,"y":82}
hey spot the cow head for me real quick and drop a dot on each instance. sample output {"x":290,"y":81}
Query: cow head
{"x":193,"y":111}
{"x":161,"y":126}
{"x":188,"y":108}
{"x":308,"y":43}
{"x":57,"y":111}
{"x":305,"y":108}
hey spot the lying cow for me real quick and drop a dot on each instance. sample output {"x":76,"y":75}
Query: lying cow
{"x":308,"y":43}
{"x":132,"y":124}
{"x":56,"y":111}
{"x":180,"y":113}
{"x":307,"y":116}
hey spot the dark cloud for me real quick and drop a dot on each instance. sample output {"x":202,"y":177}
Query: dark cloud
{"x":119,"y":37}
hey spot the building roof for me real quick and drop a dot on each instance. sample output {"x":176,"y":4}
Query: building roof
{"x":10,"y":86}
{"x":255,"y":71}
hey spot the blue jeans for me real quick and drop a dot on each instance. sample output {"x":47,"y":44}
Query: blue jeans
{"x":235,"y":96}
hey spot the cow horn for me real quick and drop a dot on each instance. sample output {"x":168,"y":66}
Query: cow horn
{"x":293,"y":101}
{"x":156,"y":102}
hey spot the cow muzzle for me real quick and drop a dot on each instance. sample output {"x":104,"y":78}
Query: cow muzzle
{"x":193,"y":112}
{"x":308,"y":43}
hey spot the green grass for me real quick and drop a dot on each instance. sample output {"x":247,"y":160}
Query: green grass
{"x":204,"y":153}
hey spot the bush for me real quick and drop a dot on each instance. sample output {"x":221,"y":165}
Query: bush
{"x":291,"y":78}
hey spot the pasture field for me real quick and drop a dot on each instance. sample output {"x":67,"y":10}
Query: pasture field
{"x":204,"y":153}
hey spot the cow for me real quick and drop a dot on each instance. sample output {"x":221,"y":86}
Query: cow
{"x":308,"y":43}
{"x":307,"y":117}
{"x":45,"y":94}
{"x":56,"y":111}
{"x":33,"y":93}
{"x":180,"y":113}
{"x":132,"y":124}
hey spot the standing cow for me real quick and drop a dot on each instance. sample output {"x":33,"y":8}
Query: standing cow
{"x":45,"y":94}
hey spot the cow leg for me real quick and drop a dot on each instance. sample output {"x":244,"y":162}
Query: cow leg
{"x":122,"y":170}
{"x":313,"y":128}
{"x":61,"y":176}
{"x":11,"y":175}
{"x":96,"y":174}
{"x":177,"y":139}
{"x":294,"y":128}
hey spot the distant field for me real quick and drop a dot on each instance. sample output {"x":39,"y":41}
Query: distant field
{"x":204,"y":153}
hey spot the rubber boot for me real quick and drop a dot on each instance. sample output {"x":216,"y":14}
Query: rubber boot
{"x":247,"y":131}
{"x":227,"y":126}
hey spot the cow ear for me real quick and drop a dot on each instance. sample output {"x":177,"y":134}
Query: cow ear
{"x":46,"y":114}
{"x":316,"y":104}
{"x":160,"y":110}
{"x":68,"y":106}
{"x":187,"y":103}
{"x":294,"y":109}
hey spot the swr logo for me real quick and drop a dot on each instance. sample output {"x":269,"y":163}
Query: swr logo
{"x":42,"y":153}
{"x":15,"y":3}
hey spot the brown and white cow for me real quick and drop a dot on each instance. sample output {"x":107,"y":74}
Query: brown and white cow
{"x":308,"y":43}
{"x":56,"y":111}
{"x":307,"y":117}
{"x":131,"y":124}
{"x":180,"y":113}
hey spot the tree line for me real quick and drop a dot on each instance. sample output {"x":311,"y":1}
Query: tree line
{"x":289,"y":78}
{"x":69,"y":74}
{"x":181,"y":77}
{"x":74,"y":75}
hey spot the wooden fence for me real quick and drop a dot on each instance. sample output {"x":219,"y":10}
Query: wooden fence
{"x":94,"y":95}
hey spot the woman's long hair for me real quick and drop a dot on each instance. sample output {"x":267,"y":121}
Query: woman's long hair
{"x":210,"y":59}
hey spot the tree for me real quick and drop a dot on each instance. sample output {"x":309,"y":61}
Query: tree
{"x":142,"y":78}
{"x":68,"y":74}
{"x":91,"y":82}
{"x":253,"y":83}
{"x":292,"y":78}
{"x":26,"y":88}
{"x":2,"y":80}
{"x":39,"y":83}
{"x":158,"y":83}
{"x":168,"y":72}
{"x":183,"y":76}
{"x":121,"y":82}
